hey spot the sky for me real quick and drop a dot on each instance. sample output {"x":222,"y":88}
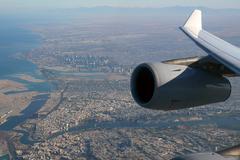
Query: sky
{"x":13,"y":5}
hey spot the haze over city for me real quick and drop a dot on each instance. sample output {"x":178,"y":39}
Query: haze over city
{"x":65,"y":69}
{"x":12,"y":5}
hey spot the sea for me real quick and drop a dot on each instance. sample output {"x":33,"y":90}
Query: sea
{"x":16,"y":39}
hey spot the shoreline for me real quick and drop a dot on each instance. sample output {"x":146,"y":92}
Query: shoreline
{"x":21,"y":84}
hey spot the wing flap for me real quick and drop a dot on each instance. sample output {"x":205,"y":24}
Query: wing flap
{"x":207,"y":63}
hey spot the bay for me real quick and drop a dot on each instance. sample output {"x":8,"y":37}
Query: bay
{"x":15,"y":39}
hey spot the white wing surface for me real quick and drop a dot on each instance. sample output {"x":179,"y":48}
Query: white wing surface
{"x":222,"y":51}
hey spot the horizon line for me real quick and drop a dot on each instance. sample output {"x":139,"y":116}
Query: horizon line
{"x":148,"y":7}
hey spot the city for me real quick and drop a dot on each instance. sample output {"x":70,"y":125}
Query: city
{"x":89,"y":112}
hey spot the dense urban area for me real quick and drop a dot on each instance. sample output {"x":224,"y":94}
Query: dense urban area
{"x":90,"y":113}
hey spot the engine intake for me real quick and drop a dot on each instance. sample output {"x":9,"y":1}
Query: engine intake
{"x":143,"y":84}
{"x":169,"y":87}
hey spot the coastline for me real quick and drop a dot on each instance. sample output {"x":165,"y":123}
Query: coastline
{"x":23,"y":84}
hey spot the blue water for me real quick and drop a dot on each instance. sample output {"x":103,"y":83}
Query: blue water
{"x":5,"y":157}
{"x":15,"y":39}
{"x":27,"y":113}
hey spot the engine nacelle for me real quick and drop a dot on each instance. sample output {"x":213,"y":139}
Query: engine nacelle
{"x":169,"y":87}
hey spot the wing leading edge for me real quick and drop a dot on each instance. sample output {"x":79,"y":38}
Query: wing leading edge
{"x":222,"y":51}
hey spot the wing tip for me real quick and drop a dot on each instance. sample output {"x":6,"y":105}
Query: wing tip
{"x":194,"y":22}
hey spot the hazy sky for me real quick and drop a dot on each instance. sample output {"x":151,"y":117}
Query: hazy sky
{"x":39,"y":4}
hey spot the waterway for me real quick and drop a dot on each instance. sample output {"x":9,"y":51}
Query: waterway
{"x":33,"y":107}
{"x":14,"y":39}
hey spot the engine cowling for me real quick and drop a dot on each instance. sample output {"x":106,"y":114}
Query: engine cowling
{"x":168,"y":87}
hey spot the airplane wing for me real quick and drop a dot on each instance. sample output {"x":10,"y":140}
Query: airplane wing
{"x":222,"y":51}
{"x":188,"y":82}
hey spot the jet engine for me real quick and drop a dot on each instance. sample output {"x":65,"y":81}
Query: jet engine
{"x":169,"y":87}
